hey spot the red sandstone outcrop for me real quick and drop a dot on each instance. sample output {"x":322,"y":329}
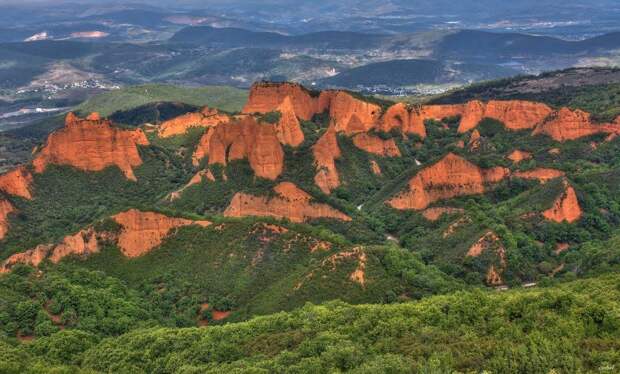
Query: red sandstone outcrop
{"x":288,"y":127}
{"x":140,"y":233}
{"x":543,"y":175}
{"x":348,"y":114}
{"x":450,"y":177}
{"x":243,"y":138}
{"x":291,"y":203}
{"x":17,"y":182}
{"x":267,"y":97}
{"x":517,"y":156}
{"x":375,"y":145}
{"x":83,"y":243}
{"x":433,"y":214}
{"x":143,"y":231}
{"x":5,"y":209}
{"x":567,"y":124}
{"x":514,"y":114}
{"x":207,"y":117}
{"x":565,"y":207}
{"x":92,"y":144}
{"x":325,"y":152}
{"x":474,"y":140}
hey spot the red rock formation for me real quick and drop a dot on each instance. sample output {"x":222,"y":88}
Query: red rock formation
{"x":493,"y":277}
{"x":514,"y":114}
{"x":267,"y":97}
{"x":434,"y":112}
{"x":474,"y":140}
{"x":32,"y":257}
{"x":197,"y":178}
{"x":433,"y":214}
{"x":374,"y":167}
{"x":325,"y":152}
{"x":450,"y":177}
{"x":541,"y":174}
{"x":92,"y":145}
{"x":398,"y":116}
{"x":486,"y":241}
{"x":207,"y":117}
{"x":143,"y":231}
{"x":567,"y":124}
{"x":288,"y":127}
{"x":565,"y":207}
{"x":5,"y":209}
{"x":517,"y":156}
{"x":291,"y":203}
{"x":84,"y":242}
{"x":17,"y":182}
{"x":244,"y":138}
{"x":348,"y":114}
{"x":375,"y":145}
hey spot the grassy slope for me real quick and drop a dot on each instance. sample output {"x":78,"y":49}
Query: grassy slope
{"x":225,"y":98}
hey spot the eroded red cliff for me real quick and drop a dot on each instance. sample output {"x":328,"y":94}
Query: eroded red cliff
{"x":567,"y":124}
{"x":241,"y":139}
{"x":82,"y":243}
{"x":450,"y":177}
{"x":290,"y":202}
{"x":207,"y":117}
{"x":92,"y":144}
{"x":17,"y":182}
{"x":375,"y":145}
{"x":326,"y":151}
{"x":541,"y":174}
{"x":5,"y":209}
{"x":143,"y":231}
{"x":565,"y":207}
{"x":267,"y":97}
{"x":288,"y":128}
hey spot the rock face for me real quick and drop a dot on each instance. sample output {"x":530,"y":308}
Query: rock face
{"x":375,"y":145}
{"x":267,"y":97}
{"x":450,"y":177}
{"x":567,"y":124}
{"x":326,"y":152}
{"x":517,"y":156}
{"x":143,"y":231}
{"x":17,"y":183}
{"x":474,"y":140}
{"x":541,"y":174}
{"x":207,"y":117}
{"x":291,"y":203}
{"x":83,"y":243}
{"x":515,"y":114}
{"x":5,"y":209}
{"x":565,"y":207}
{"x":433,"y":214}
{"x":350,"y":115}
{"x":288,"y":128}
{"x":92,"y":144}
{"x":243,"y":138}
